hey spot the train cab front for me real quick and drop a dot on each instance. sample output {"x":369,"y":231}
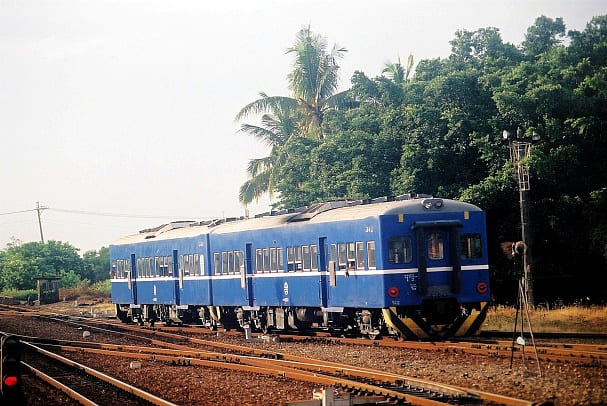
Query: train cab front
{"x":446,"y":287}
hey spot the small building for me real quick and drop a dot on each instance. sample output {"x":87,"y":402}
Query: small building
{"x":48,"y":290}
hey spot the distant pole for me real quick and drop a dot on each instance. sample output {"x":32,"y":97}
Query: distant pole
{"x":38,"y":209}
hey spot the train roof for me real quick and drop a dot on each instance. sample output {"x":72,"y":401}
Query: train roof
{"x":318,"y":213}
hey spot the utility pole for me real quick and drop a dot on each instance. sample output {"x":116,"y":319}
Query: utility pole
{"x":38,"y":209}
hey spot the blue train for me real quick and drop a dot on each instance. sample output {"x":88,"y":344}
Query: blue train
{"x":411,"y":266}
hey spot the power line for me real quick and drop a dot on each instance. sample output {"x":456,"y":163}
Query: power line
{"x":17,"y":212}
{"x":106,"y":214}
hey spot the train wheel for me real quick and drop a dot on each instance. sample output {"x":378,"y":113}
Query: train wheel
{"x":122,"y":315}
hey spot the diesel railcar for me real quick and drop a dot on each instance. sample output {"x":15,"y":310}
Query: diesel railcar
{"x":410,"y":266}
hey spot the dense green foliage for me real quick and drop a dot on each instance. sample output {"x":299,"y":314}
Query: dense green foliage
{"x":21,"y":264}
{"x":438,"y":131}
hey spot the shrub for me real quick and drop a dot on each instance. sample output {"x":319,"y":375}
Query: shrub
{"x":21,"y":294}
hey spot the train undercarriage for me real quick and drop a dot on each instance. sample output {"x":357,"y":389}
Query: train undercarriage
{"x":433,"y":320}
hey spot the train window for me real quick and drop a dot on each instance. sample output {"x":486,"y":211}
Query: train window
{"x":400,"y":250}
{"x":238,"y":261}
{"x":435,"y":246}
{"x":360,"y":255}
{"x":314,"y":257}
{"x":298,"y":266}
{"x":351,"y":257}
{"x":182,"y":261}
{"x":290,"y":259}
{"x":281,"y":264}
{"x":148,"y":267}
{"x":266,"y":260}
{"x":334,"y":252}
{"x":156,"y":266}
{"x":259,"y":260}
{"x":273,"y":260}
{"x":341,"y":254}
{"x":216,"y":263}
{"x":225,"y":265}
{"x":197,"y":264}
{"x":371,"y":254}
{"x":166,"y":270}
{"x":230,"y":268}
{"x":306,"y":257}
{"x":167,"y":266}
{"x":470,"y":246}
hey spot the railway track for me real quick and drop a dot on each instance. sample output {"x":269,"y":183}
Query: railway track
{"x":178,"y":349}
{"x":586,"y":354}
{"x":182,"y":346}
{"x":84,"y":385}
{"x":392,"y":387}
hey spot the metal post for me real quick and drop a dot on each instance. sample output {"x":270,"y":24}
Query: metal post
{"x":526,"y":236}
{"x":519,"y":151}
{"x":38,"y":209}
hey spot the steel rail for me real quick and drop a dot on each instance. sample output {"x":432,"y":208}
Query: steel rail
{"x":58,"y":385}
{"x":155,"y":400}
{"x":274,"y":368}
{"x":290,"y":366}
{"x":581,"y":353}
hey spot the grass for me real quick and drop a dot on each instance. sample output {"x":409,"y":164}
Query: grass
{"x":570,"y":319}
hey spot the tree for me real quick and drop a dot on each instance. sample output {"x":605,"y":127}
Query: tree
{"x":396,"y":72}
{"x":314,"y":80}
{"x":22,"y":264}
{"x":544,"y":34}
{"x":313,"y":83}
{"x":275,"y":130}
{"x":96,"y":264}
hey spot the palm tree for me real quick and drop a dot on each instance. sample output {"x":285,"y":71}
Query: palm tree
{"x":313,"y":83}
{"x":396,"y":72}
{"x":274,"y":130}
{"x":314,"y":80}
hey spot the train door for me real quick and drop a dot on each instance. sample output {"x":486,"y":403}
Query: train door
{"x":177,"y":277}
{"x":132,"y":279}
{"x":322,"y":267}
{"x":246,"y":282}
{"x":438,"y":262}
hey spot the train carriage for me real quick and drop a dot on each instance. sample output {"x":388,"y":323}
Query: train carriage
{"x":414,"y":267}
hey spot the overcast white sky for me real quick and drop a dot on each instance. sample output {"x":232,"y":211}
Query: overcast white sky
{"x":127,"y":107}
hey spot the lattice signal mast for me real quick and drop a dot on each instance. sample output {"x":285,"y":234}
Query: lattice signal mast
{"x":520,"y":150}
